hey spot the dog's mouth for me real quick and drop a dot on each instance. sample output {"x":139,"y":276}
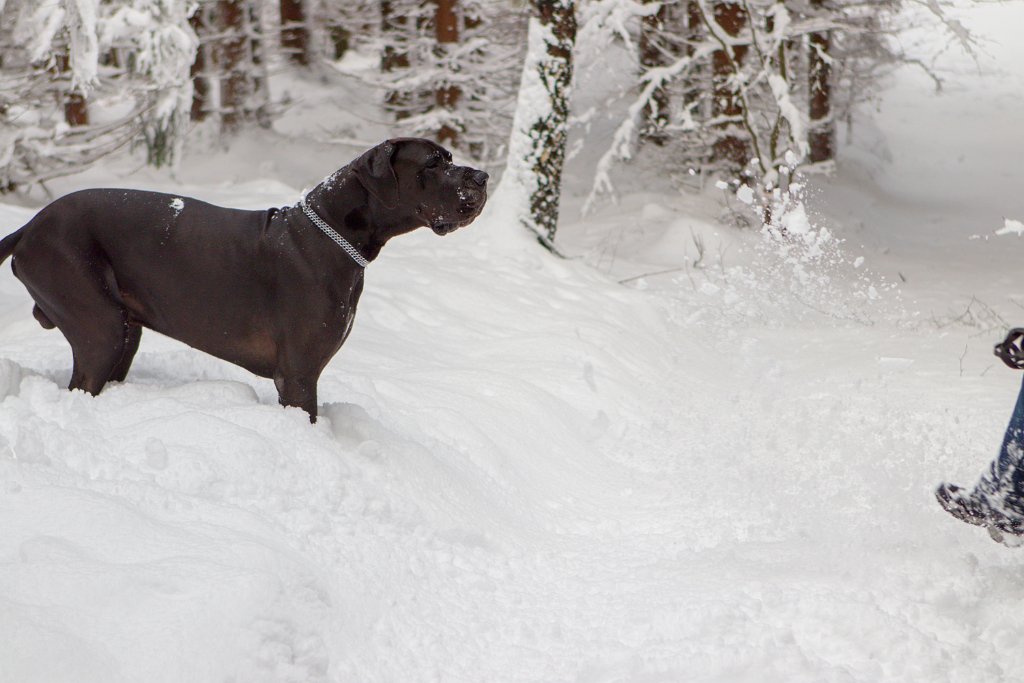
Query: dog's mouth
{"x":442,"y":226}
{"x":469,"y":208}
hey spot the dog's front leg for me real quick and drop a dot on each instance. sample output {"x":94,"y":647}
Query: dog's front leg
{"x":297,"y":389}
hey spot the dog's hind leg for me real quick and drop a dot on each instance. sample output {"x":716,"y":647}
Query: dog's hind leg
{"x":132,"y":336}
{"x":82,"y":305}
{"x":98,"y":345}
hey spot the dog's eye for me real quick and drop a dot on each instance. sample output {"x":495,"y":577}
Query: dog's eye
{"x":432,"y":162}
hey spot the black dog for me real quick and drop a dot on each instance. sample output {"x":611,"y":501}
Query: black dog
{"x":272,"y":291}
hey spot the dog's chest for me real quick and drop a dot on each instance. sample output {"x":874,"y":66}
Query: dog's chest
{"x":338,"y":313}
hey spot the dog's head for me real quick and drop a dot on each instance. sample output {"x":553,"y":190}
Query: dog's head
{"x":418,"y":176}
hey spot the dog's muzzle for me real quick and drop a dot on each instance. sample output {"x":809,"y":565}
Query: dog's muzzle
{"x":472,"y":197}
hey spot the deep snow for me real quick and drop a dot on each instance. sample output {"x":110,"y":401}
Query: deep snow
{"x":529,"y":472}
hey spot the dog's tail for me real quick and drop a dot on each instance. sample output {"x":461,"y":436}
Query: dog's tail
{"x":8,"y":244}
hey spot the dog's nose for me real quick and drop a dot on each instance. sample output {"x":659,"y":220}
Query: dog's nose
{"x":480,"y":178}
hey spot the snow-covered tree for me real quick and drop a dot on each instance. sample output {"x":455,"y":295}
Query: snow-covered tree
{"x":57,"y":57}
{"x":242,"y":63}
{"x":532,"y":183}
{"x":447,"y":94}
{"x":231,"y":71}
{"x":451,"y":68}
{"x":749,"y":89}
{"x":821,"y":126}
{"x":162,"y":46}
{"x":399,"y":21}
{"x":724,"y":21}
{"x":295,"y":40}
{"x":657,"y":46}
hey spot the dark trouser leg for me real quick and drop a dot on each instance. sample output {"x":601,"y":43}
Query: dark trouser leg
{"x":997,"y":502}
{"x":1006,"y":475}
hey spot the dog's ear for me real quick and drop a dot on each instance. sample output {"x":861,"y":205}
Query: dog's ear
{"x":375,"y":173}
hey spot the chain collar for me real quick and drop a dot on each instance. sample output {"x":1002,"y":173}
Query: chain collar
{"x":333,"y":234}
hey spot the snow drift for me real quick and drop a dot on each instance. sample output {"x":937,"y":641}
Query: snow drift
{"x":524,"y":471}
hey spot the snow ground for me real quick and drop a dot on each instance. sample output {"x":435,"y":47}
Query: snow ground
{"x":529,"y":472}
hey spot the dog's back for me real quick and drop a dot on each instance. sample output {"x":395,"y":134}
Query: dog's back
{"x":163,"y":261}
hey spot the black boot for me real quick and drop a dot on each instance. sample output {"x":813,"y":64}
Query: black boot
{"x":983,"y":507}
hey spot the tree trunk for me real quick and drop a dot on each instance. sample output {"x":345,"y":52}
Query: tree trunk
{"x":234,"y":83}
{"x":730,"y":147}
{"x":257,"y":105}
{"x":394,"y":57}
{"x":295,"y":32}
{"x":340,"y":38}
{"x":76,"y":111}
{"x":241,"y":66}
{"x":821,"y":136}
{"x":200,"y":21}
{"x":654,"y":53}
{"x":540,"y":126}
{"x":446,"y":25}
{"x":693,"y":87}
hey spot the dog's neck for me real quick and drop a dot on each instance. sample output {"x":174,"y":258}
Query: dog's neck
{"x":343,"y":202}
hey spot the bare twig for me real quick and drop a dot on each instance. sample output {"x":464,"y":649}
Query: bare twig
{"x":652,"y":274}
